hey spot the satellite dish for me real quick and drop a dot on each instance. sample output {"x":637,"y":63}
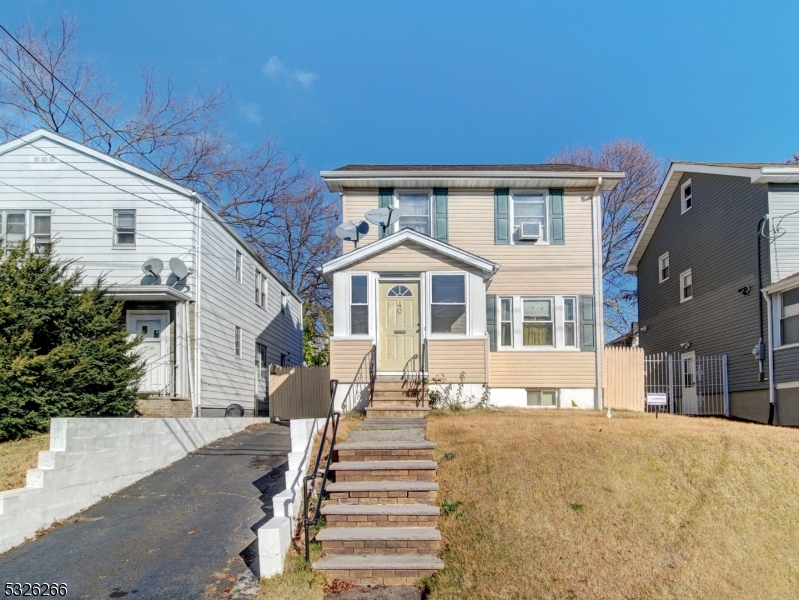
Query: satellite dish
{"x":351,"y":231}
{"x":384,"y":217}
{"x":179,"y":268}
{"x":152,"y":266}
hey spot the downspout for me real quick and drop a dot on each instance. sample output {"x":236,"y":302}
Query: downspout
{"x":772,"y":395}
{"x":600,"y":313}
{"x":198,"y":312}
{"x":760,"y":350}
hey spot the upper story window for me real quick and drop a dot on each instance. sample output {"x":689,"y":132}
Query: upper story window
{"x":20,"y":224}
{"x":687,"y":196}
{"x":125,"y":228}
{"x":538,"y":326}
{"x":448,"y":304}
{"x":359,"y":305}
{"x":789,"y":317}
{"x":237,"y":341}
{"x":529,"y":207}
{"x":238,"y":266}
{"x":261,"y":289}
{"x":284,"y":302}
{"x":663,"y":267}
{"x":414,"y":209}
{"x":686,"y":286}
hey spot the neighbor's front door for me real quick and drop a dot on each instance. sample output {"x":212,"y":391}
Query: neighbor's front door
{"x":152,"y":348}
{"x":690,"y":405}
{"x":399,"y":327}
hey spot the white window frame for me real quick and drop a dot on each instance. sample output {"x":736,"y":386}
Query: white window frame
{"x":264,"y":291}
{"x":683,"y":298}
{"x":261,"y":355}
{"x":778,"y":308}
{"x":29,"y":217}
{"x":414,"y":192}
{"x":574,"y":321}
{"x":284,"y":301}
{"x":661,"y":259}
{"x":239,"y":273}
{"x":237,"y":341}
{"x":683,"y":200}
{"x":512,"y":215}
{"x":350,"y":304}
{"x":554,"y":322}
{"x":501,"y":322}
{"x":116,"y":244}
{"x":429,"y":306}
{"x":258,"y":298}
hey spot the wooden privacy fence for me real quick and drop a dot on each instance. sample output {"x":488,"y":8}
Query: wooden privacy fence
{"x":623,"y":378}
{"x":299,"y":392}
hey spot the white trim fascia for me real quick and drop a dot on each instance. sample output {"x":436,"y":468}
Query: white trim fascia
{"x":338,"y":181}
{"x":783,"y":285}
{"x":398,"y":238}
{"x":676,"y":170}
{"x":34,"y":136}
{"x":786,"y":385}
{"x":134,"y":292}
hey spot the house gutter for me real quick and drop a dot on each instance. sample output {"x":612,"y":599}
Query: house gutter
{"x":600,"y":313}
{"x":772,"y":394}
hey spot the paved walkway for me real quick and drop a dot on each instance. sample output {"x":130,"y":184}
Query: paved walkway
{"x":186,"y":531}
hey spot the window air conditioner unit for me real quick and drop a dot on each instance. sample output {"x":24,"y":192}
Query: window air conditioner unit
{"x":530,"y":231}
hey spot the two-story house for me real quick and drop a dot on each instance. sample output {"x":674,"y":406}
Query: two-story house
{"x":209,"y":310}
{"x":490,"y":276}
{"x":716,"y":263}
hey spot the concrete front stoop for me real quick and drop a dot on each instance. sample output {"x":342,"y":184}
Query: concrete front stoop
{"x":382,"y":510}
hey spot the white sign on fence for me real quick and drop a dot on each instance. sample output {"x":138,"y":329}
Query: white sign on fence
{"x":657,"y":399}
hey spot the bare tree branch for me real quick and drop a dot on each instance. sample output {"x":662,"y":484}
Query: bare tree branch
{"x":623,"y":213}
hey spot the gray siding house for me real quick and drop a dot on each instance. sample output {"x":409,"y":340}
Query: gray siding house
{"x":698,"y":290}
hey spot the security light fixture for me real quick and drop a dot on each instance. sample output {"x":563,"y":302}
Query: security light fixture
{"x":744,"y":290}
{"x":685,"y":345}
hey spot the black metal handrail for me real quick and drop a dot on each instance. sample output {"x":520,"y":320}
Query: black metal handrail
{"x":372,"y":372}
{"x":423,"y":368}
{"x":333,"y":417}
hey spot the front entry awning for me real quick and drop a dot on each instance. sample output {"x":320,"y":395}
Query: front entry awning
{"x":150,"y":293}
{"x":489,"y":268}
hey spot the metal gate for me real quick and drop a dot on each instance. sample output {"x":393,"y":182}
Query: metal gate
{"x":695,"y":385}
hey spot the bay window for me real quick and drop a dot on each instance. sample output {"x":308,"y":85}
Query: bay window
{"x":538,"y":326}
{"x":448,"y":304}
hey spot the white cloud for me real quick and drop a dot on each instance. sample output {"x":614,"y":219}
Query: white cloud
{"x":251,"y":112}
{"x":275,"y":68}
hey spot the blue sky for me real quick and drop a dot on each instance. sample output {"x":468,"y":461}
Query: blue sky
{"x":466,"y":82}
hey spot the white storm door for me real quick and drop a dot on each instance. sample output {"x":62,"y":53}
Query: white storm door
{"x":689,"y":400}
{"x":153,"y":348}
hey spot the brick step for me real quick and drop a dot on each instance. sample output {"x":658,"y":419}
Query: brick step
{"x":379,"y":569}
{"x":396,"y":411}
{"x":384,"y":451}
{"x":380,"y":515}
{"x":387,"y":422}
{"x":384,"y":470}
{"x":383,"y":492}
{"x":379,"y":540}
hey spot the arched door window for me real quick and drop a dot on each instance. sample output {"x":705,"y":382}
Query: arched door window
{"x":399,"y":291}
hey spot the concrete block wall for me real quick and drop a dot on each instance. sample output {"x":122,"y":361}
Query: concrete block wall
{"x":275,"y":536}
{"x":92,"y":458}
{"x":164,"y":408}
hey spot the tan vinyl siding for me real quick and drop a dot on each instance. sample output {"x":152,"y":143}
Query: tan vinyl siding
{"x":408,"y":257}
{"x":543,"y":369}
{"x":448,"y":358}
{"x":349,"y":360}
{"x":526,"y":268}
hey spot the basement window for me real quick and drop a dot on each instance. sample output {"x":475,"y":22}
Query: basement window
{"x":542,"y":397}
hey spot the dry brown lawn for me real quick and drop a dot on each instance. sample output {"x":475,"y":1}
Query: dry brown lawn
{"x":17,"y":457}
{"x":571,"y":504}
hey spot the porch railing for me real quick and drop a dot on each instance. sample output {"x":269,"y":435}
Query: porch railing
{"x":372,"y":372}
{"x":333,"y":417}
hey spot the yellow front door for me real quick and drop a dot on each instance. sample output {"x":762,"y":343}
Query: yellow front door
{"x":399,"y":327}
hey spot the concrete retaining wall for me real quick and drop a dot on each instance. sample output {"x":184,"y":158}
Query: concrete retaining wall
{"x":274,"y":537}
{"x":92,"y":458}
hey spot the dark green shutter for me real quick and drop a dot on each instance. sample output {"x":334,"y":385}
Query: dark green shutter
{"x":587,"y":324}
{"x":440,"y":214}
{"x":491,"y":321}
{"x":501,"y":217}
{"x":556,"y":224}
{"x":385,"y":197}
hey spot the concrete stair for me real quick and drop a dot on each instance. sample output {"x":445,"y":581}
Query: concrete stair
{"x":397,"y":397}
{"x":382,"y":509}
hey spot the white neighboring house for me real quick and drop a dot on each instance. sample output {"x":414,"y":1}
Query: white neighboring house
{"x":207,"y":337}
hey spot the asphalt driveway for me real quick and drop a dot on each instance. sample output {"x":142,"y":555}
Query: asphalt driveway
{"x":186,"y":531}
